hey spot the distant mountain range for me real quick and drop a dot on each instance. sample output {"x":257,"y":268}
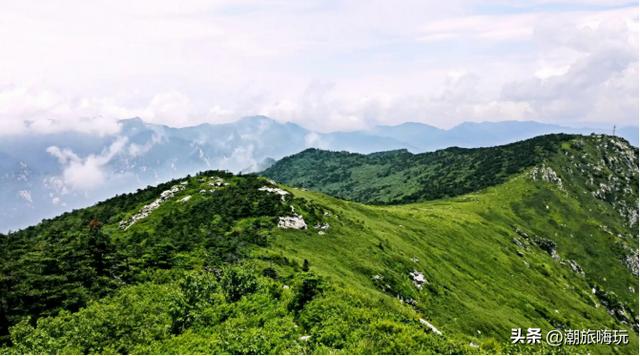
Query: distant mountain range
{"x":44,"y":175}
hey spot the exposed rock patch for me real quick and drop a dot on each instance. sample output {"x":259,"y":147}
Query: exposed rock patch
{"x":218,"y":182}
{"x":610,"y":172}
{"x":147,"y":209}
{"x":282,"y":193}
{"x":546,"y":174}
{"x":430,"y":326}
{"x":418,"y":279}
{"x":292,"y":222}
{"x":631,"y":262}
{"x":575,"y":267}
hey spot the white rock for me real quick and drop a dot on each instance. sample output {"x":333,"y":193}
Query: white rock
{"x":147,"y":209}
{"x":185,"y":199}
{"x":292,"y":222}
{"x":282,"y":193}
{"x":418,"y":278}
{"x":218,"y":182}
{"x":323,"y":226}
{"x":305,"y":337}
{"x":430,"y":326}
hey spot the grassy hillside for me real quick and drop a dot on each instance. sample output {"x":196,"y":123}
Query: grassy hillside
{"x":212,"y":268}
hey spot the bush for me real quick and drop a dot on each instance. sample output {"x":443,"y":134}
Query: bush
{"x":237,"y":282}
{"x":196,"y":292}
{"x":306,"y":290}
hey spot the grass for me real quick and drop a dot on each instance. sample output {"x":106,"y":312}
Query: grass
{"x":478,"y":287}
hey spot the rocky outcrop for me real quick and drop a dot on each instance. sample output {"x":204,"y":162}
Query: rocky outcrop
{"x":610,"y":170}
{"x":274,"y":190}
{"x":574,"y":266}
{"x":549,"y":246}
{"x":631,"y":262}
{"x":430,"y":326}
{"x":418,"y":279}
{"x":546,"y":174}
{"x":322,"y":228}
{"x":217,"y":182}
{"x":292,"y":222}
{"x":147,"y":209}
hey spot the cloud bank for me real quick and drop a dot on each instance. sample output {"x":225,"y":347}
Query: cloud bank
{"x":83,"y":174}
{"x":325,"y":65}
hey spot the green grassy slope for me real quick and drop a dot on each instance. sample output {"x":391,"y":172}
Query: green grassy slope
{"x":215,"y":274}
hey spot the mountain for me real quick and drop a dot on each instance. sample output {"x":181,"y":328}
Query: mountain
{"x":483,"y":134}
{"x":217,"y":263}
{"x":43,"y":175}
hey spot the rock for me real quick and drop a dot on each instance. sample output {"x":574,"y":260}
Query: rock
{"x":305,"y":337}
{"x":547,"y":245}
{"x":418,"y":279}
{"x":631,"y":262}
{"x":292,"y":222}
{"x":411,"y":301}
{"x":282,"y":193}
{"x":185,"y":199}
{"x":520,"y":232}
{"x":147,"y":209}
{"x":546,"y":174}
{"x":575,"y":267}
{"x":474,"y":345}
{"x":218,"y":182}
{"x":323,"y":226}
{"x":518,"y":242}
{"x":430,"y":326}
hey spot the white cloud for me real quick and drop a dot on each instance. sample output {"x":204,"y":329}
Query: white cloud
{"x":82,"y":174}
{"x":326,"y":65}
{"x":25,"y":195}
{"x":491,"y":28}
{"x":600,"y":85}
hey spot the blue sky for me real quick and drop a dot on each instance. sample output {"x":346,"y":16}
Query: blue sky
{"x":327,"y":65}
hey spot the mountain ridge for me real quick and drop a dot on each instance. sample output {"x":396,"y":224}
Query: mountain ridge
{"x":141,"y":154}
{"x":217,"y":263}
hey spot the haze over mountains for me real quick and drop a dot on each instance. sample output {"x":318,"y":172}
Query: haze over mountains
{"x":43,"y":175}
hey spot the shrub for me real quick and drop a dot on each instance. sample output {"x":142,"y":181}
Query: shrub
{"x":237,"y":282}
